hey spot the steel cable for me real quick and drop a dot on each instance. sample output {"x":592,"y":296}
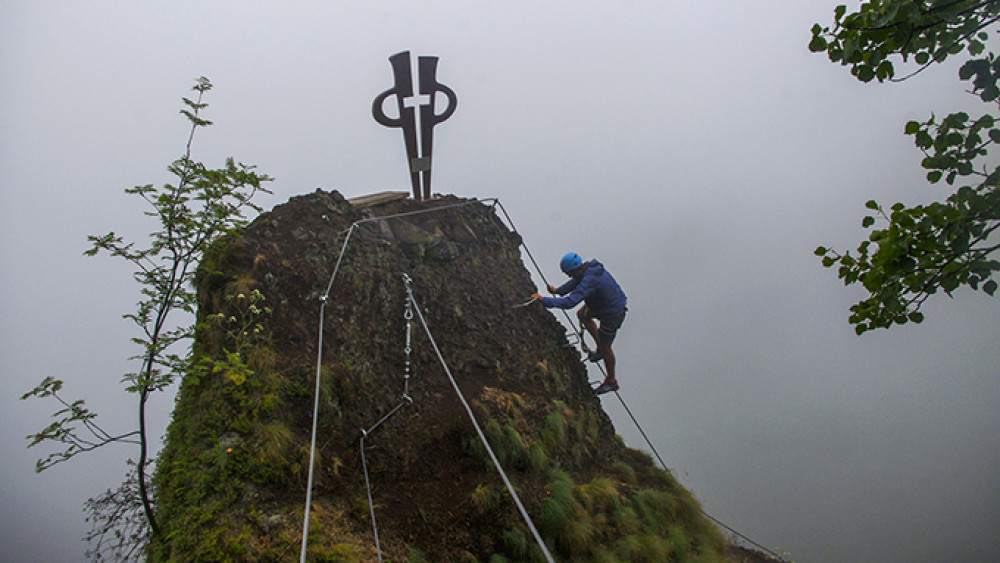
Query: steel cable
{"x":482,"y":437}
{"x":583,"y":346}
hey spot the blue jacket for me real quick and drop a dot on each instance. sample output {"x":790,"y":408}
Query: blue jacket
{"x":596,"y":287}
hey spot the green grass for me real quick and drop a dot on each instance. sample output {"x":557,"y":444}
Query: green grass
{"x":606,"y":520}
{"x":487,"y":498}
{"x":515,"y":543}
{"x":517,"y":453}
{"x":538,"y":458}
{"x":553,"y":430}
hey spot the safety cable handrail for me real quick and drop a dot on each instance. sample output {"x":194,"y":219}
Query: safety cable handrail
{"x":482,"y":438}
{"x":421,"y":211}
{"x":319,"y":355}
{"x":408,"y":316}
{"x":364,"y":465}
{"x":411,"y":304}
{"x":583,"y":346}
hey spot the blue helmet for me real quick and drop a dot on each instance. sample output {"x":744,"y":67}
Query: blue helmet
{"x":570,"y":262}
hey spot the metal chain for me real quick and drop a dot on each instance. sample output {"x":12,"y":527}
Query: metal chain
{"x":408,"y":315}
{"x":406,"y":400}
{"x":482,"y":437}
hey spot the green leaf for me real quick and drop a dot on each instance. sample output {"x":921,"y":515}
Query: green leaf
{"x":818,"y":44}
{"x":916,"y":317}
{"x":868,"y":221}
{"x":912,"y":127}
{"x":885,"y":70}
{"x":865,"y":73}
{"x":871,"y":204}
{"x":990,"y":287}
{"x":970,"y":69}
{"x":923,"y":139}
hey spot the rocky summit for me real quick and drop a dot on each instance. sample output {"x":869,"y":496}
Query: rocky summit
{"x":231,"y":481}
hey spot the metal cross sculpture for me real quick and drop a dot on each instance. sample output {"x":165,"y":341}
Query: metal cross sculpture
{"x":418,"y":151}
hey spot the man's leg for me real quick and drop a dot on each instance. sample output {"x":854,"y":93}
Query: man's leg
{"x":605,"y":337}
{"x":604,"y":349}
{"x":588,"y":322}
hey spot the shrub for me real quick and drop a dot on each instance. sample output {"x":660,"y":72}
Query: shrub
{"x":626,"y":521}
{"x":678,"y":540}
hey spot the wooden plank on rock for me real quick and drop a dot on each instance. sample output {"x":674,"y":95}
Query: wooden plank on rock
{"x":377,"y":199}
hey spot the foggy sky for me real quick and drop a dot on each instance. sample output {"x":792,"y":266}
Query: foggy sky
{"x":696,"y":148}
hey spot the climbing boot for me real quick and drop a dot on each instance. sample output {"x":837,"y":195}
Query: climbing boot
{"x":606,"y":387}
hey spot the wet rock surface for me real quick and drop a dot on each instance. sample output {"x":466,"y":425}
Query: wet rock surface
{"x":435,"y":493}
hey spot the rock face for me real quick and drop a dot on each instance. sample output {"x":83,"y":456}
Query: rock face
{"x":232,"y":477}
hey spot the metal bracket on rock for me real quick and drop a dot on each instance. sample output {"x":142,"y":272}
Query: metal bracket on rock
{"x":525,"y":304}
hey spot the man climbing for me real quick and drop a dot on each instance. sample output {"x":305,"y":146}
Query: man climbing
{"x":603,"y":299}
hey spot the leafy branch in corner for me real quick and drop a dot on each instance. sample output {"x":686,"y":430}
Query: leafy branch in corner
{"x":944,"y":245}
{"x":199,"y":207}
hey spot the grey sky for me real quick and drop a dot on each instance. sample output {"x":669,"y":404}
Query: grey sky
{"x":696,"y":148}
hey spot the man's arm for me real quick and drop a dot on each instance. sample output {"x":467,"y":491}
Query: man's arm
{"x":580,"y":290}
{"x":567,"y":287}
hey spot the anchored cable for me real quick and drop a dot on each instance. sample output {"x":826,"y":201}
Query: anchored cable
{"x":584,"y":347}
{"x":649,"y":443}
{"x":368,"y":488}
{"x":408,"y":316}
{"x":319,"y":355}
{"x":364,"y":465}
{"x":419,"y":212}
{"x":496,"y":203}
{"x":482,"y":438}
{"x":315,"y":417}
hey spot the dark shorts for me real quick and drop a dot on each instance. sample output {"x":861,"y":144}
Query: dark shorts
{"x":609,"y":325}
